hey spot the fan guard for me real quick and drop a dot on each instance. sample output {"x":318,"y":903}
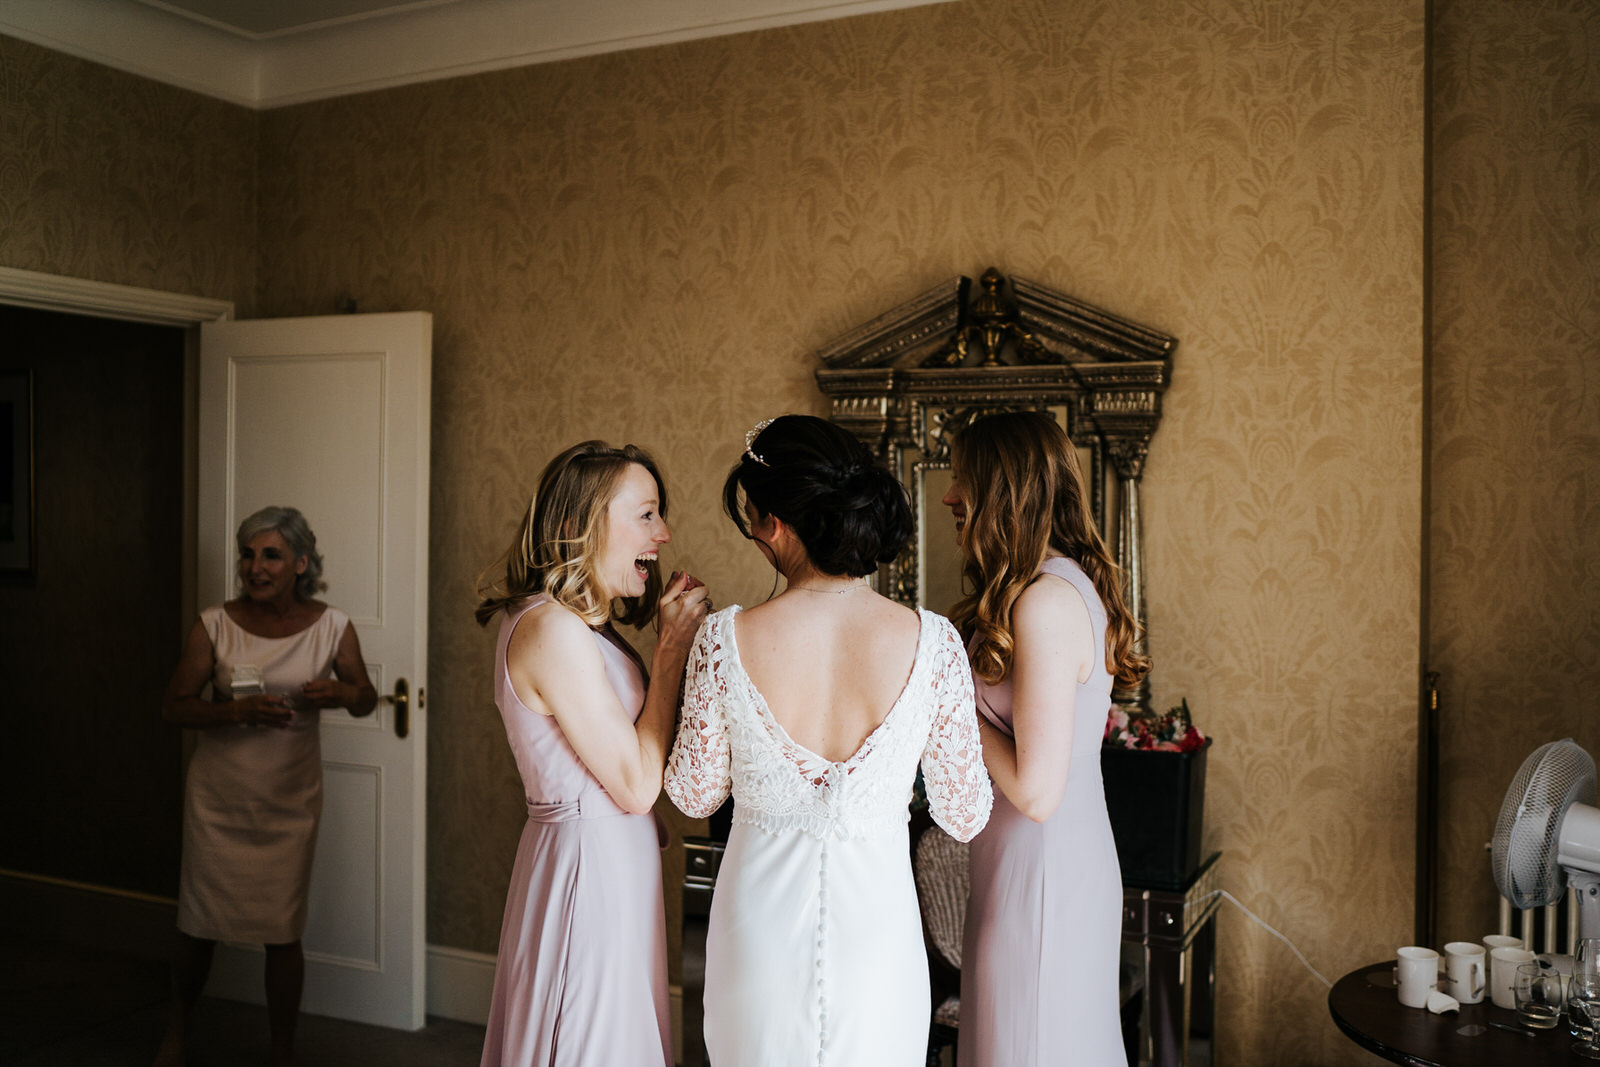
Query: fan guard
{"x":1526,"y":835}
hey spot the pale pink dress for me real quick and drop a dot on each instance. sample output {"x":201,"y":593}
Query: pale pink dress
{"x":253,"y":794}
{"x":1041,"y":948}
{"x":581,"y":979}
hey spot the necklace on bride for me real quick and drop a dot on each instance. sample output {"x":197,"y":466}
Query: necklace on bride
{"x":859,"y":583}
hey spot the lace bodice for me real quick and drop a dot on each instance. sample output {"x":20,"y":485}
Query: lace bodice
{"x":729,"y":741}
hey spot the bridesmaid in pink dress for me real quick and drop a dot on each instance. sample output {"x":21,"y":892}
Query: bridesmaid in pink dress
{"x":1047,"y":632}
{"x":581,"y":979}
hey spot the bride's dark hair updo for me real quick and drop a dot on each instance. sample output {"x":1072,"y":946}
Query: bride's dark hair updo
{"x":850,"y":513}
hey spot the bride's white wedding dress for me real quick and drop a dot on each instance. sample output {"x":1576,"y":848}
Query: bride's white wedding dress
{"x":814,"y":956}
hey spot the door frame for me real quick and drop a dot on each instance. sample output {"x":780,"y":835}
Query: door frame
{"x":80,"y":296}
{"x":144,"y":921}
{"x":127,"y":303}
{"x":458,"y":981}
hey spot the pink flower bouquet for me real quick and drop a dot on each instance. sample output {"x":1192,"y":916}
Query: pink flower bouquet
{"x":1173,"y":732}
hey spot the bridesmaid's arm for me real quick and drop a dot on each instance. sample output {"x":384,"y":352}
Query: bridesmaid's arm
{"x":678,"y":617}
{"x":556,"y":667}
{"x":182,"y":705}
{"x":1052,"y":653}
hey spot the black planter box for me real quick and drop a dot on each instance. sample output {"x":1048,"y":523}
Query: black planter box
{"x":1156,"y":801}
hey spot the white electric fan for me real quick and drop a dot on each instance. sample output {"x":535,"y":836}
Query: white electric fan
{"x":1548,"y":833}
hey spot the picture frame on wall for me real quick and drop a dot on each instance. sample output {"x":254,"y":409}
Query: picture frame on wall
{"x":18,"y":553}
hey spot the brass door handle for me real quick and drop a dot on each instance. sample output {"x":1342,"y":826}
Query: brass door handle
{"x":401,"y":699}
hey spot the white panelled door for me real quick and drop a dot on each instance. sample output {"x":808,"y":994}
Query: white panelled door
{"x":330,"y":415}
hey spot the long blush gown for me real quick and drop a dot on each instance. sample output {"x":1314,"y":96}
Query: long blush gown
{"x":814,"y":953}
{"x":581,"y":978}
{"x":1042,"y":941}
{"x":253,"y":794}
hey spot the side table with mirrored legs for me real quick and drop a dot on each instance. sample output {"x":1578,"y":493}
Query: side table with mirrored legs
{"x":1177,"y":932}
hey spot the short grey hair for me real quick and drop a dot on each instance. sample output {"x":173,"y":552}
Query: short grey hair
{"x":290,"y":525}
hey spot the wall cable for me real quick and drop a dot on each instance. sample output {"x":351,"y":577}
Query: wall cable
{"x":1230,"y":898}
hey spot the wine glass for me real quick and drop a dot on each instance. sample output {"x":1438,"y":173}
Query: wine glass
{"x":1586,"y":956}
{"x":1585,"y":960}
{"x":1586,"y":995}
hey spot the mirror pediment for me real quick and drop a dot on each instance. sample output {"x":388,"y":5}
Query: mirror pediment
{"x":910,"y":378}
{"x":1011,"y":343}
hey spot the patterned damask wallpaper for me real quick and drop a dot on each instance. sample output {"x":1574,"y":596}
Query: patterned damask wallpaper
{"x":1515,"y":595}
{"x":120,"y":179}
{"x":649,"y":246}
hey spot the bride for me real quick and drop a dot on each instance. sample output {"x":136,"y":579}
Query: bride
{"x":815,"y":709}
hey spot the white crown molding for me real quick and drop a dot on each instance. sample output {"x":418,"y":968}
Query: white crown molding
{"x":80,"y":296}
{"x":413,"y":45}
{"x":141,"y":40}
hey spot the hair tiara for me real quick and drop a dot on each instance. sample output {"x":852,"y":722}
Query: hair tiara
{"x":750,"y":440}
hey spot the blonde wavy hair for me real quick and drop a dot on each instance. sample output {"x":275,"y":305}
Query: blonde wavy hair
{"x":1024,"y":494}
{"x":563,"y":534}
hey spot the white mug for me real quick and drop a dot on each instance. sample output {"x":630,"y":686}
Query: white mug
{"x":1494,"y":941}
{"x":1417,"y":975}
{"x":1503,"y":964}
{"x":1463,"y":971}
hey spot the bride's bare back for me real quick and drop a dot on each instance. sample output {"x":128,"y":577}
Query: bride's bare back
{"x":829,"y":665}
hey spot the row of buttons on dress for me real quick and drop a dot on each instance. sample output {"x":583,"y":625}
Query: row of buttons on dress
{"x":822,"y":922}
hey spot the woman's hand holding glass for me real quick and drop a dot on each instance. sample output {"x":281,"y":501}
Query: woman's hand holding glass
{"x":262,"y":709}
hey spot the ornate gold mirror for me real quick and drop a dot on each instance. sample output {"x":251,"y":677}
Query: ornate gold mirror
{"x":909,"y":379}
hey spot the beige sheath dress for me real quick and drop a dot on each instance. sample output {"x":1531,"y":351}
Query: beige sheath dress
{"x":254,"y":793}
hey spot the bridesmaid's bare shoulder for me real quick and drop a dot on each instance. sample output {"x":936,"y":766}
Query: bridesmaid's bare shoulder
{"x":549,"y":627}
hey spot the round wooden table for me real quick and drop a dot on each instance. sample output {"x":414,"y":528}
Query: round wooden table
{"x":1366,"y":1007}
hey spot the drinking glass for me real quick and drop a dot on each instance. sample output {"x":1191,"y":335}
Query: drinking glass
{"x":1585,"y":960}
{"x":1586,"y":995}
{"x":1538,"y":996}
{"x":1586,"y":956}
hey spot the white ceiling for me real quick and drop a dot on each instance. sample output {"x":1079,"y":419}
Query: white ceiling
{"x":269,"y":53}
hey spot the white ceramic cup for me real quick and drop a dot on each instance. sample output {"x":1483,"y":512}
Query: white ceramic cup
{"x":1503,"y":964}
{"x":1417,"y":975}
{"x":1464,"y":977}
{"x":1494,"y":941}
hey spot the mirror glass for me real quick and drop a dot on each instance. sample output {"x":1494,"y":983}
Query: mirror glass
{"x":934,"y":557}
{"x":908,"y":380}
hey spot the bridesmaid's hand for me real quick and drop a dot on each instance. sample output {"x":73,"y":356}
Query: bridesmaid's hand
{"x":263,"y":709}
{"x":683,"y":604}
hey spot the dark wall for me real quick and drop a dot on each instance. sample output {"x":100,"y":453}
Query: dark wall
{"x":90,"y":778}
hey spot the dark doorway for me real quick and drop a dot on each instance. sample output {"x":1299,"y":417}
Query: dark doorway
{"x":90,"y":777}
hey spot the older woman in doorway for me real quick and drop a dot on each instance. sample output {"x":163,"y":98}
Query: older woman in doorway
{"x":272,"y":658}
